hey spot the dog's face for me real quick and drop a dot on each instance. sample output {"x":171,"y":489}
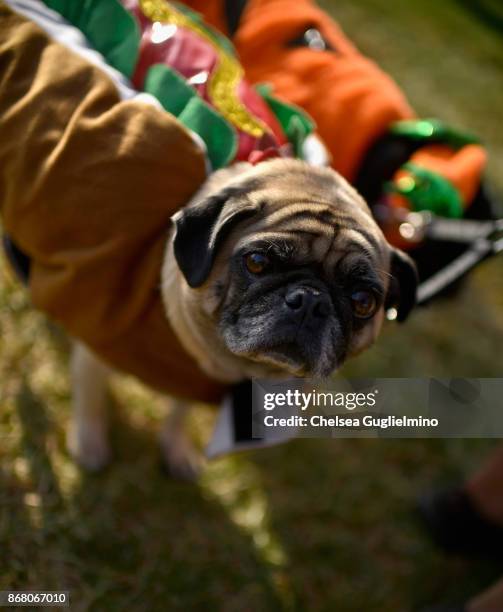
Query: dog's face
{"x":286,"y":270}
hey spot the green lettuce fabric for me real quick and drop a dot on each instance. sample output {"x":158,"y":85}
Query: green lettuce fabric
{"x":181,"y":99}
{"x":296,"y":124}
{"x":108,"y":26}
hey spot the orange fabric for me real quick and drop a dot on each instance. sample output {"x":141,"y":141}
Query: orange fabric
{"x":213,"y":12}
{"x":352,"y":101}
{"x":463,"y":168}
{"x":350,"y":98}
{"x":87,"y":187}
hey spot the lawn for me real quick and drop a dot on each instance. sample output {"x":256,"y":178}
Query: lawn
{"x":311,"y":525}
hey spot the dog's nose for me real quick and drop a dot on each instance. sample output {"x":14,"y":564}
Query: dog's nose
{"x":307,"y":301}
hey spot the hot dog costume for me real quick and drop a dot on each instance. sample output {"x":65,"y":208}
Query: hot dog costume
{"x":113,"y":113}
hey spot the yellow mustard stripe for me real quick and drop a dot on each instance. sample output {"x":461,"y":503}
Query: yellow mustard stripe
{"x":224,"y":81}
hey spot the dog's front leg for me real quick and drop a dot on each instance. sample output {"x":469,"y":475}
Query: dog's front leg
{"x":180,"y":457}
{"x":87,"y":439}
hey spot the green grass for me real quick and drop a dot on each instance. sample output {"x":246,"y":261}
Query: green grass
{"x":312,"y":525}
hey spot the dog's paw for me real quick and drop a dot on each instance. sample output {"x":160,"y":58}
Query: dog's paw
{"x":179,"y":458}
{"x":89,"y":447}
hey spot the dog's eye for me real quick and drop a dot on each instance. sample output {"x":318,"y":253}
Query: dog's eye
{"x":257,"y":262}
{"x":364,"y":304}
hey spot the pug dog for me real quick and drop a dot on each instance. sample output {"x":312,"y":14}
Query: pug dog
{"x":272,"y":270}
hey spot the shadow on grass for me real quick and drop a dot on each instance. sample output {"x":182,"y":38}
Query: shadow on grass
{"x":364,"y":549}
{"x":15,"y":529}
{"x":128,"y":538}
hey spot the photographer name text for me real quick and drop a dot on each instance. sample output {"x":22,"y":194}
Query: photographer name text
{"x":300,"y":401}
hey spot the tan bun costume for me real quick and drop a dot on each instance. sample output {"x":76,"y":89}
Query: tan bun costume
{"x":65,"y":137}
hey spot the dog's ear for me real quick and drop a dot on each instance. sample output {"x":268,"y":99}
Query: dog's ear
{"x":201,"y":228}
{"x":403,"y":285}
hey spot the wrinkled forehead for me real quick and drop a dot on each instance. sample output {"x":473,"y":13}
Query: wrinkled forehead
{"x":305,"y":193}
{"x":291,"y":178}
{"x":334,"y":249}
{"x":315,"y":228}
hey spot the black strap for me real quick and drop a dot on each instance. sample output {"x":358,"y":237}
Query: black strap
{"x":19,"y":261}
{"x":452,"y":272}
{"x":242,"y":411}
{"x":233,"y":11}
